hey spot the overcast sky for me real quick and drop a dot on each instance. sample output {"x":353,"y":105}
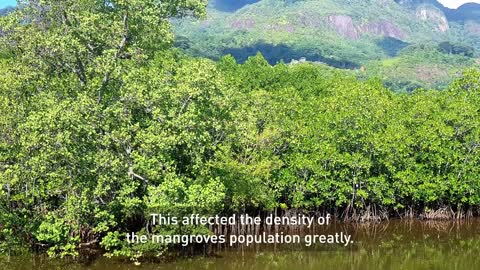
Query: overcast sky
{"x":456,"y":3}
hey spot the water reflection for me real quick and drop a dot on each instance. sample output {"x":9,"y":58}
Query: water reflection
{"x":409,"y":245}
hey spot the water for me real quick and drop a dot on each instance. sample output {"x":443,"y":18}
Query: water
{"x":409,"y":245}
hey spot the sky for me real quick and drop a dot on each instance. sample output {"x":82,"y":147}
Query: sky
{"x":454,"y":3}
{"x":447,"y":3}
{"x":6,"y":3}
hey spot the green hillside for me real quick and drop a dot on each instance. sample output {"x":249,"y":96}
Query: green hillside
{"x":343,"y":33}
{"x":418,"y":66}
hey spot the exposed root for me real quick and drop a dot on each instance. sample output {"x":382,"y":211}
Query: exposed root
{"x":445,"y":213}
{"x":370,"y":214}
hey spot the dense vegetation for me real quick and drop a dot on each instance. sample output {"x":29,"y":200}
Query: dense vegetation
{"x":417,"y":66}
{"x":103,"y":123}
{"x":347,"y":34}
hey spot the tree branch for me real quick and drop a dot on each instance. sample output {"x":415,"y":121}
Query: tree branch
{"x":121,"y":47}
{"x":83,"y":245}
{"x":184,"y":105}
{"x":134,"y":175}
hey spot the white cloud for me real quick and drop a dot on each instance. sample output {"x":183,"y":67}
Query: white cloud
{"x":457,"y":3}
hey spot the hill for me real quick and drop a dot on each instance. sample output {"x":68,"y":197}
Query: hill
{"x":5,"y":11}
{"x":342,"y":33}
{"x":418,"y":66}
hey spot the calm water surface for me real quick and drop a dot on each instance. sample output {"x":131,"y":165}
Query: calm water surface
{"x":409,"y":245}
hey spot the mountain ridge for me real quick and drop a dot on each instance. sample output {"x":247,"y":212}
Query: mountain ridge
{"x":278,"y":22}
{"x":347,"y":34}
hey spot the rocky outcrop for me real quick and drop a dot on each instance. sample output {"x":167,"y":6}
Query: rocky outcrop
{"x":309,"y":19}
{"x":243,"y":24}
{"x":343,"y":25}
{"x":283,"y":28}
{"x":434,"y":15}
{"x":385,"y":29}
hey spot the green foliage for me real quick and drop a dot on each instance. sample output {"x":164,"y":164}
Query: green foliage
{"x":447,"y":47}
{"x":418,"y":66}
{"x":86,"y":157}
{"x":56,"y":232}
{"x":343,"y":34}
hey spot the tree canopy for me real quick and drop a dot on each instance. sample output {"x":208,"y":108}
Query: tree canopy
{"x":102,"y":124}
